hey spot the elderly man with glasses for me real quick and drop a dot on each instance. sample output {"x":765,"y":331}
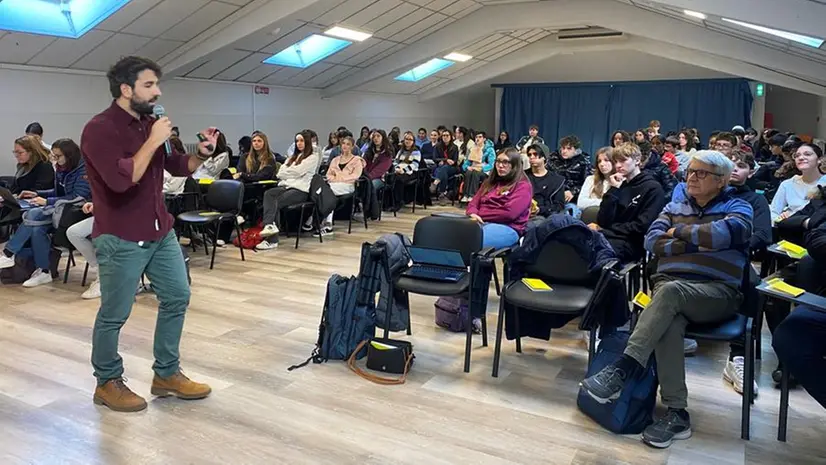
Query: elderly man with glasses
{"x":702,"y":246}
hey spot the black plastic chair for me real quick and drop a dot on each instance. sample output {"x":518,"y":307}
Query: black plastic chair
{"x":71,"y":216}
{"x":224,"y":199}
{"x":302,"y":216}
{"x":574,"y":294}
{"x":589,"y":215}
{"x":459,"y":234}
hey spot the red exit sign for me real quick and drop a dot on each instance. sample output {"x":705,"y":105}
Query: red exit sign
{"x":262,"y":90}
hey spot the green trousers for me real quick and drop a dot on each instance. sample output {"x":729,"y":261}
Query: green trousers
{"x":120,"y":266}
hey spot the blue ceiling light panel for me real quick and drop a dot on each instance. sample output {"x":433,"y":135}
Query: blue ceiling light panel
{"x":308,"y":51}
{"x":62,"y":18}
{"x":424,"y":70}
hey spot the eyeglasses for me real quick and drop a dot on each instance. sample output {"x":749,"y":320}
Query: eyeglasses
{"x":722,"y":145}
{"x":18,"y":152}
{"x":701,"y":174}
{"x":803,"y":154}
{"x":409,"y":138}
{"x":503,"y":162}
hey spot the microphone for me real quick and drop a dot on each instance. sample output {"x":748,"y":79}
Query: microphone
{"x":159,"y":112}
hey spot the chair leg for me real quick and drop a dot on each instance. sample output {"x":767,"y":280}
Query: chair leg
{"x":72,"y":258}
{"x":214,"y":243}
{"x":592,"y":345}
{"x":415,"y":192}
{"x":317,"y":221}
{"x":468,"y":336}
{"x":69,"y":261}
{"x":352,"y":212}
{"x":784,"y":406}
{"x":496,"y":280}
{"x":484,"y":329}
{"x":85,"y":274}
{"x":758,"y":330}
{"x":500,"y":324}
{"x":191,"y":230}
{"x":204,"y":235}
{"x":516,"y":327}
{"x":238,"y":234}
{"x":748,"y":388}
{"x":298,"y":228}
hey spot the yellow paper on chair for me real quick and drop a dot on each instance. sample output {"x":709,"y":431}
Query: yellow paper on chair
{"x":793,"y":250}
{"x":206,"y":181}
{"x":233,"y":170}
{"x":536,"y":285}
{"x":779,"y":285}
{"x":268,"y":181}
{"x":642,"y":299}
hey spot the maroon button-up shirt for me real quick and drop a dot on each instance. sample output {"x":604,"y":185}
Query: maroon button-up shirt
{"x":131,"y":211}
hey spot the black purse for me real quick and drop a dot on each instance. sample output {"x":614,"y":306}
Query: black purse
{"x":385,"y":355}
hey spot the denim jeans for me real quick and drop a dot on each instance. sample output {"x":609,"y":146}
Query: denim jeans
{"x":498,"y":236}
{"x":377,"y":184}
{"x":41,"y":243}
{"x":120,"y":265}
{"x":443,"y":174}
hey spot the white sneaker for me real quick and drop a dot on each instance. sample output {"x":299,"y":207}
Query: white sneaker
{"x":734,"y":373}
{"x":266,"y":245}
{"x":239,"y":219}
{"x":38,"y":278}
{"x":325,"y":231}
{"x":220,"y":242}
{"x":269,"y":230}
{"x":93,"y":292}
{"x":689,"y":346}
{"x":6,"y":262}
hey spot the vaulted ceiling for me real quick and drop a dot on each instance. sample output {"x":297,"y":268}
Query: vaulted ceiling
{"x":228,"y":40}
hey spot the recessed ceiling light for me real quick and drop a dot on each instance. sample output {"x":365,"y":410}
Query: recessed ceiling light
{"x":424,"y":70}
{"x":694,"y":14}
{"x":799,"y":38}
{"x":308,"y":51}
{"x":349,"y":34}
{"x":455,"y":56}
{"x":65,"y":18}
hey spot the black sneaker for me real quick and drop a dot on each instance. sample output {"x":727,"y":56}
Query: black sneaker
{"x":605,"y":386}
{"x":664,"y":431}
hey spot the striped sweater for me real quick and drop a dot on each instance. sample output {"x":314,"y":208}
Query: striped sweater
{"x":708,"y":244}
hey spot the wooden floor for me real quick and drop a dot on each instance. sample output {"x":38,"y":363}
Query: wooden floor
{"x":249,"y":321}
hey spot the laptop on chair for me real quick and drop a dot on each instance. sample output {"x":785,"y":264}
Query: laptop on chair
{"x":11,"y":200}
{"x":436,"y":264}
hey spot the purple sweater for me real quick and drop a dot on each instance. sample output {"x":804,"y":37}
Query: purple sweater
{"x":511,"y":208}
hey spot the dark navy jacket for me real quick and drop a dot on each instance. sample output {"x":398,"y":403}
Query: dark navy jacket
{"x":68,"y":186}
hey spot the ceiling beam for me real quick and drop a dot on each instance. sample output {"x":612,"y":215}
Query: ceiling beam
{"x":534,"y":53}
{"x":257,"y":15}
{"x":800,"y":16}
{"x":481,"y":23}
{"x":733,"y":67}
{"x":632,"y":20}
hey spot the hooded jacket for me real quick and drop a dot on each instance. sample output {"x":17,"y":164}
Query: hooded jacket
{"x":511,"y":207}
{"x":68,"y":185}
{"x":574,"y":170}
{"x":627,"y":212}
{"x":661,"y":173}
{"x":488,"y":158}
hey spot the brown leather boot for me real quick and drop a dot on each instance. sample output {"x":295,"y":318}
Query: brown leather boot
{"x":115,"y":395}
{"x":180,"y":386}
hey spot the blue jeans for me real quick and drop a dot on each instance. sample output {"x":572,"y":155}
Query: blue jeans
{"x":41,"y":243}
{"x":498,"y":236}
{"x":377,"y":183}
{"x":443,"y":174}
{"x":120,"y":265}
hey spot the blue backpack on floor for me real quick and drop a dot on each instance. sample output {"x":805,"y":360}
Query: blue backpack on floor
{"x":634,"y":410}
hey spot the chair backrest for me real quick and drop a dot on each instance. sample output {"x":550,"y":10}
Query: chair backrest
{"x":460,"y":234}
{"x":225,"y":195}
{"x":559,"y":262}
{"x":589,"y":215}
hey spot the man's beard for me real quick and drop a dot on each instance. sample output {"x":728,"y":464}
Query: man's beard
{"x":141,"y":107}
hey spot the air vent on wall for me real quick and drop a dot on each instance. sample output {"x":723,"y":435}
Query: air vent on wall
{"x":585,"y":34}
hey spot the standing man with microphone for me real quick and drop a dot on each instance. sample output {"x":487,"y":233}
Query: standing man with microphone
{"x":126,"y":153}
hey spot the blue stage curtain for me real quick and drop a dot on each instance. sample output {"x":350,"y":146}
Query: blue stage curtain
{"x":594,"y":111}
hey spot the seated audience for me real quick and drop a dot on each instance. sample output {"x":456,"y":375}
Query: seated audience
{"x":685,"y":150}
{"x":79,"y":234}
{"x":652,"y":164}
{"x":70,"y":184}
{"x":596,"y":185}
{"x":342,"y":175}
{"x":364,"y":138}
{"x":725,"y":143}
{"x":405,"y":167}
{"x":421,"y":138}
{"x":619,"y":137}
{"x":212,"y":167}
{"x":446,"y":156}
{"x":740,"y":134}
{"x":793,"y":194}
{"x":653,"y":128}
{"x":503,"y":203}
{"x":574,"y":166}
{"x":477,"y":166}
{"x":702,"y":245}
{"x":532,"y":138}
{"x":503,"y":142}
{"x":669,"y":157}
{"x":640,"y":136}
{"x":548,"y":187}
{"x":293,"y":188}
{"x":379,"y":157}
{"x":633,"y":202}
{"x":36,"y":130}
{"x":259,"y":163}
{"x":428,"y":147}
{"x":34,"y":170}
{"x":463,"y":143}
{"x":332,"y":143}
{"x":800,"y":340}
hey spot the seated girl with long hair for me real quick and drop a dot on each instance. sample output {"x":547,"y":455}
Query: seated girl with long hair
{"x":503,"y":203}
{"x":342,"y":175}
{"x":596,"y":185}
{"x":405,"y":166}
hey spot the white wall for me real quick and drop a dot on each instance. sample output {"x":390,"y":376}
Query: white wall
{"x":821,"y":122}
{"x":63,"y":103}
{"x":793,"y":110}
